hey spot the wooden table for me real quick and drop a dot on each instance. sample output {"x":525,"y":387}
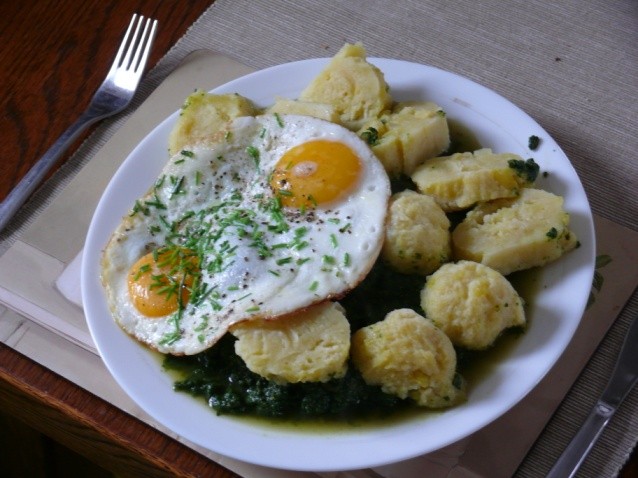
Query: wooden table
{"x":54,"y":55}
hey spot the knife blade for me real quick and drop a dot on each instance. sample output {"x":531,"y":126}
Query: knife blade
{"x":623,"y":379}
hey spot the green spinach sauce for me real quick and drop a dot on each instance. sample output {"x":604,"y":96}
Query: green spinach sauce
{"x":222,"y":379}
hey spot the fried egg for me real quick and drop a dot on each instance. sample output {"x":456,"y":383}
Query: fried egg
{"x":278,"y":214}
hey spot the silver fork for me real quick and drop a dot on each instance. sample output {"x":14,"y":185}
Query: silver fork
{"x":113,"y":95}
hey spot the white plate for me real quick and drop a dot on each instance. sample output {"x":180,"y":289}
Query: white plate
{"x":554,"y":314}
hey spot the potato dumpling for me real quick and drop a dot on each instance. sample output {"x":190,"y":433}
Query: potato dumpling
{"x":305,"y":108}
{"x":471,"y":303}
{"x":385,"y":147}
{"x":356,"y":88}
{"x":459,"y":181}
{"x":417,"y":236}
{"x":204,"y":116}
{"x":408,"y":356}
{"x":515,"y":234}
{"x":307,"y":346}
{"x":408,"y":135}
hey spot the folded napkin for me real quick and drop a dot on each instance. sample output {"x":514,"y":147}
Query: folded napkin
{"x":69,"y":283}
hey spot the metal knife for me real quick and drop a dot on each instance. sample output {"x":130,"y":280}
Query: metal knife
{"x":622,"y":380}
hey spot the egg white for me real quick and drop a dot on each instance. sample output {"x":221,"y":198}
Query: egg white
{"x":285,"y":259}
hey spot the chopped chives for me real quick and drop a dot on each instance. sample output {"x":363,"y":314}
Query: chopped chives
{"x":346,"y":259}
{"x":328,"y":260}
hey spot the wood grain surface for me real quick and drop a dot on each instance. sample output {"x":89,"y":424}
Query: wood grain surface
{"x":92,"y":427}
{"x":54,"y":55}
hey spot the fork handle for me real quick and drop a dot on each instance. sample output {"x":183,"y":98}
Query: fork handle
{"x":17,"y":197}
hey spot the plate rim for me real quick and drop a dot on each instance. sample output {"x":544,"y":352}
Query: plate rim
{"x":319,"y":463}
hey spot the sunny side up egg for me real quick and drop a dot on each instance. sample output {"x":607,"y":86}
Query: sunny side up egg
{"x":282,"y":212}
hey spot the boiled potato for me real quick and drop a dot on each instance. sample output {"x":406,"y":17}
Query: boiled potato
{"x":417,"y":236}
{"x":515,"y":234}
{"x":387,"y":148}
{"x":356,"y":88}
{"x":307,"y":346}
{"x":471,"y":303}
{"x":203,"y":117}
{"x":463,"y":179}
{"x":408,"y":356}
{"x":406,"y":136}
{"x":305,"y":108}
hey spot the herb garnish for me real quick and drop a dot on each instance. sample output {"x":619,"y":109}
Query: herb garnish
{"x":371,"y":136}
{"x":253,"y":152}
{"x":533,"y":142}
{"x":528,"y":170}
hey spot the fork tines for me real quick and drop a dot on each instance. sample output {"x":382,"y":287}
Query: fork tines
{"x":136,"y":52}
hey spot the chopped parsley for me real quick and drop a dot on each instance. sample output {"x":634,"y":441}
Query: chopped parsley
{"x":533,"y":142}
{"x":328,"y":259}
{"x":345,"y":228}
{"x":155,"y":202}
{"x":253,"y":153}
{"x":346,"y":259}
{"x":371,"y":136}
{"x":528,"y":170}
{"x":139,"y":207}
{"x":160,"y":181}
{"x":178,"y":185}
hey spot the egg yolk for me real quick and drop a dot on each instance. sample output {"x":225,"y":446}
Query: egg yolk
{"x":315,"y":173}
{"x":160,"y":282}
